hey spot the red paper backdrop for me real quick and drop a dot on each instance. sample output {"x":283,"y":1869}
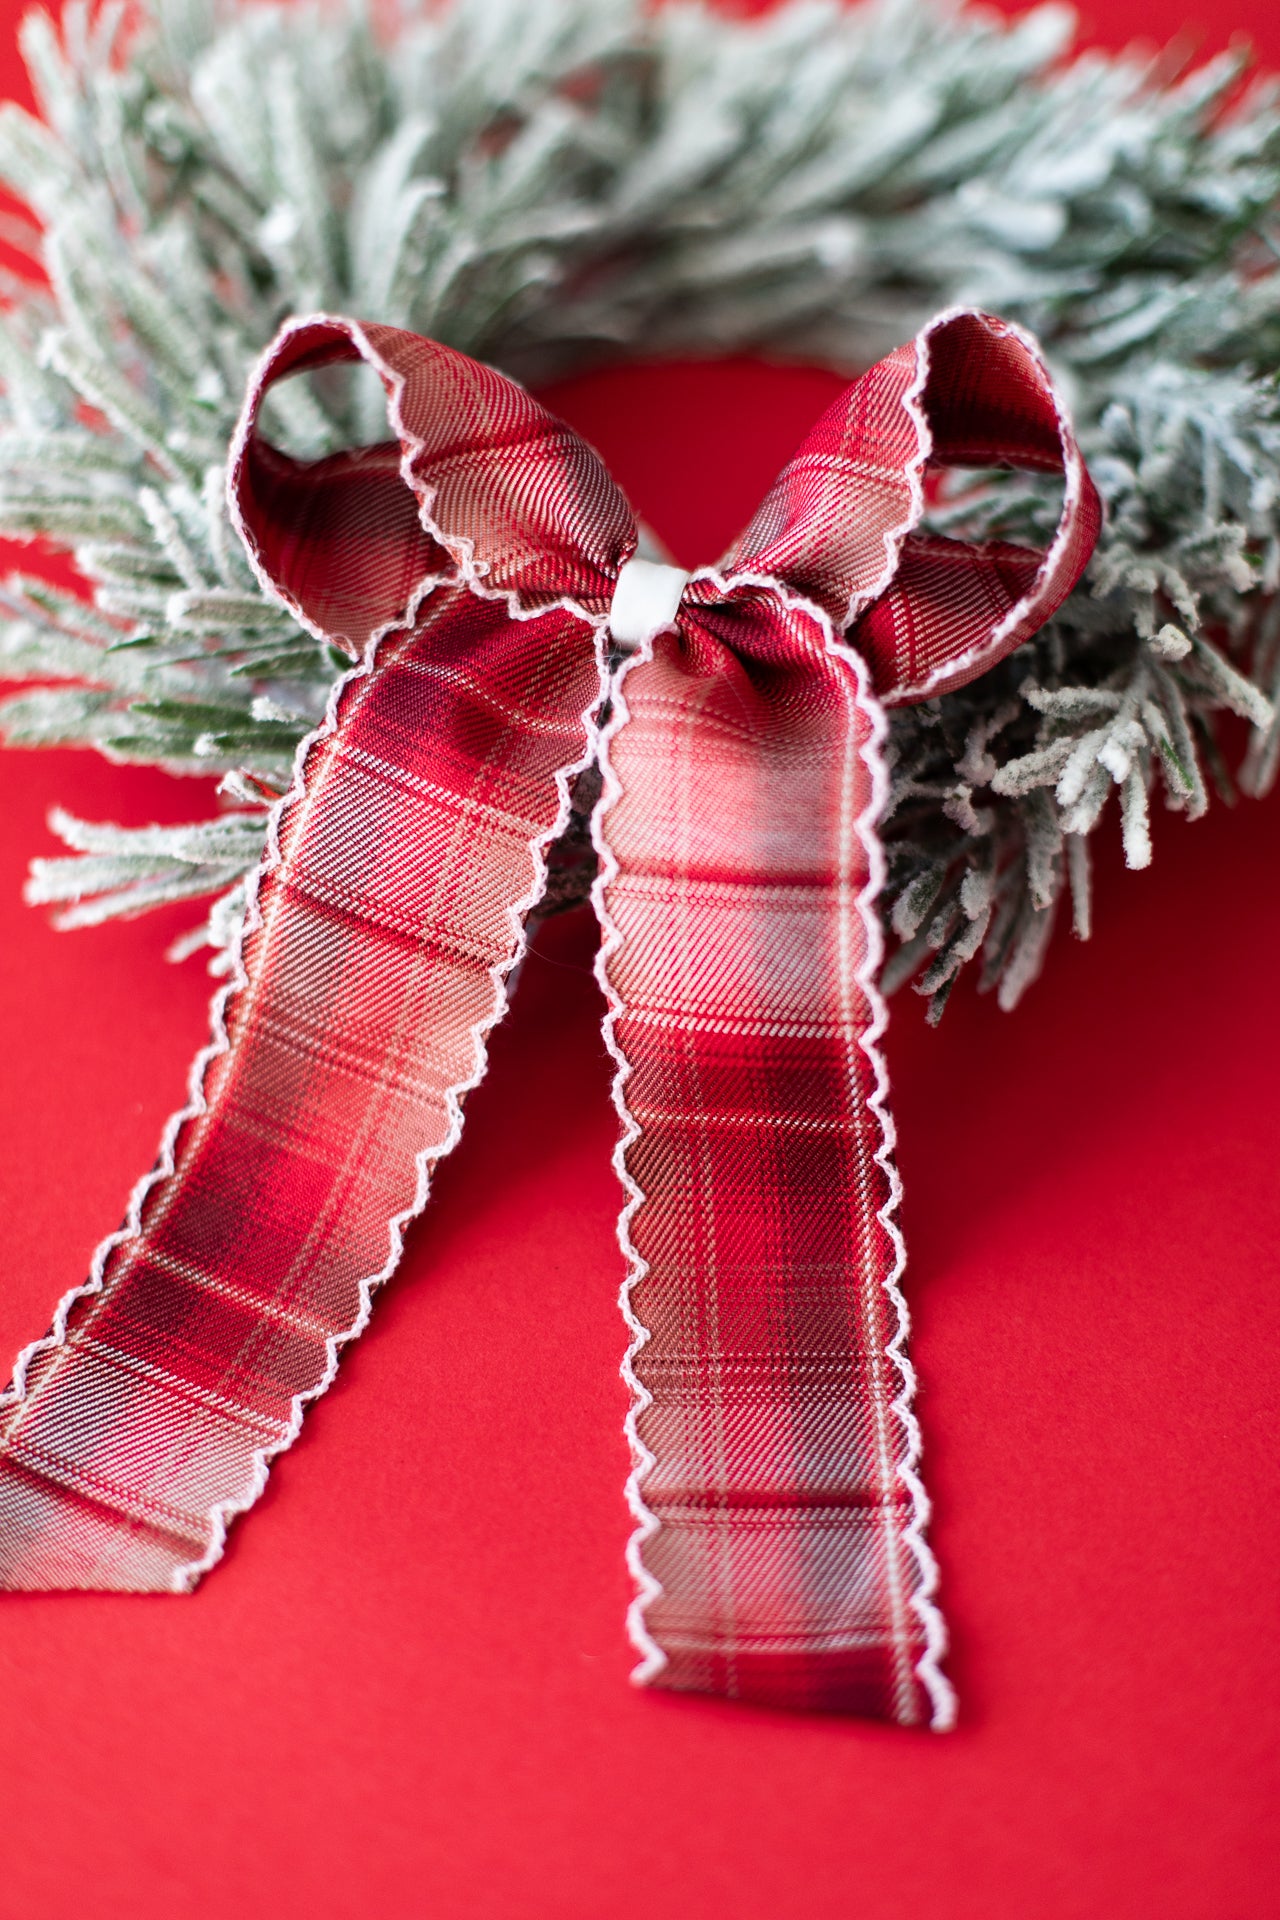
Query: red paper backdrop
{"x":405,"y":1693}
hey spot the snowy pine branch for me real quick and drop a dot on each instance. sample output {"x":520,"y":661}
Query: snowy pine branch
{"x":538,"y":181}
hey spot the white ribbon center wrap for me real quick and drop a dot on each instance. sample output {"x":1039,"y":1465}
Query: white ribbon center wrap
{"x":645,"y":600}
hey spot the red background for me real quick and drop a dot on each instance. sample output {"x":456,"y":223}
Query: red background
{"x":405,"y":1692}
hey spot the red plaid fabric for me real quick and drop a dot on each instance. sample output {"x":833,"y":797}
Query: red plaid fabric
{"x":469,"y":567}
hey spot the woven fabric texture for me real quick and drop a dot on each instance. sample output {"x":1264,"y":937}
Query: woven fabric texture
{"x":467,"y":566}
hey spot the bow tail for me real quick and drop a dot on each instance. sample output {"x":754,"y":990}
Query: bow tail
{"x":387,"y":915}
{"x":778,"y":1554}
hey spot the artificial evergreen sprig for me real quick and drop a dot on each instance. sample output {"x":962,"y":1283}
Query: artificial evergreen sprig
{"x":537,"y":181}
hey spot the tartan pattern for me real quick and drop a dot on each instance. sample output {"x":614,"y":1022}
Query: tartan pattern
{"x":470,"y":565}
{"x":787,"y":1545}
{"x":840,"y":522}
{"x":487,"y":485}
{"x":371,"y":966}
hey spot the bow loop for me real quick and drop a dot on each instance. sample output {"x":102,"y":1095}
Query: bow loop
{"x":480,"y":480}
{"x":841,"y":525}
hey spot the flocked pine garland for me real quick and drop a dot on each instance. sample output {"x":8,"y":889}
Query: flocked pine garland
{"x":536,"y":181}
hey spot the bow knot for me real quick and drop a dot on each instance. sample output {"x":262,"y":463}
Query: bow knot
{"x":521,"y":676}
{"x":646,"y":598}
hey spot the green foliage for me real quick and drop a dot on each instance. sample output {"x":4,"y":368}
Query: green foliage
{"x":537,"y":181}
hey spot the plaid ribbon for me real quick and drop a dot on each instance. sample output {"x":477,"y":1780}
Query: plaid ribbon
{"x":728,"y":757}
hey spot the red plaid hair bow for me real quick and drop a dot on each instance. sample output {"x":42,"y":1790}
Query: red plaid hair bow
{"x":722,"y":731}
